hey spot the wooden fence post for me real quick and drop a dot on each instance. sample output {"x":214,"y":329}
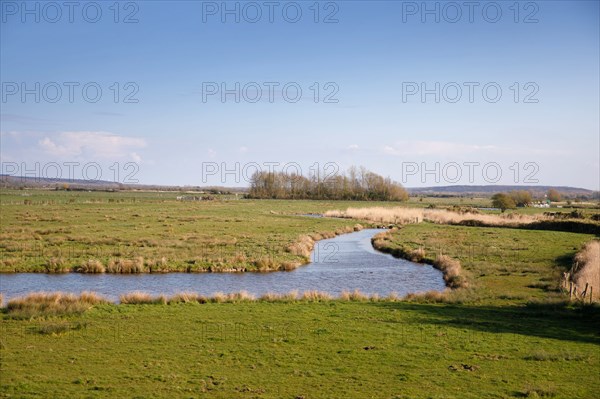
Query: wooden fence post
{"x":570,"y":290}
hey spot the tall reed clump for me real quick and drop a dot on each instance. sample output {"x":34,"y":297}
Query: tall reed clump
{"x":56,"y":265}
{"x":354,"y":296}
{"x":187,"y":297}
{"x":92,"y":266}
{"x":315,"y":296}
{"x":142,"y":298}
{"x":452,"y":271}
{"x":291,"y":296}
{"x":585,"y":272}
{"x":302,"y":247}
{"x":126,"y":266}
{"x":242,"y":296}
{"x":157,"y":265}
{"x":52,"y":304}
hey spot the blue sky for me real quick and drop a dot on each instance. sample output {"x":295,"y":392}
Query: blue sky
{"x":171,"y":53}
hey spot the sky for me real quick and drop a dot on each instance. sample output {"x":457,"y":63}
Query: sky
{"x":206,"y":93}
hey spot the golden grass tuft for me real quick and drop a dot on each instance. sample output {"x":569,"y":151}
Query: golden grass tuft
{"x":264,"y":264}
{"x":315,"y":296}
{"x":344,"y":230}
{"x":56,"y":265}
{"x":187,"y":297}
{"x":417,"y":255}
{"x":452,"y":271}
{"x":291,"y":296}
{"x":91,"y":266}
{"x":218,"y":297}
{"x":355,"y":296}
{"x":52,"y":304}
{"x":426,"y":297}
{"x":242,"y":296}
{"x":289,"y":266}
{"x":270,"y":297}
{"x":157,"y":265}
{"x":392,"y":297}
{"x":302,"y":247}
{"x":126,"y":266}
{"x":142,"y":298}
{"x":586,"y":269}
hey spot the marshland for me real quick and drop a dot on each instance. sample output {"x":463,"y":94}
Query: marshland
{"x":500,"y":319}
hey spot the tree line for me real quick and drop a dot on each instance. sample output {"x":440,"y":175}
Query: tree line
{"x":520,"y":198}
{"x":356,"y":184}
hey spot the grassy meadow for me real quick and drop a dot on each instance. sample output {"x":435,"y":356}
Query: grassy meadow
{"x":57,"y":231}
{"x":510,"y":332}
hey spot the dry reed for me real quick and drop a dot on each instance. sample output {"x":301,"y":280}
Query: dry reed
{"x":52,"y":303}
{"x":142,"y":298}
{"x":91,"y":266}
{"x":586,"y":270}
{"x":401,"y":216}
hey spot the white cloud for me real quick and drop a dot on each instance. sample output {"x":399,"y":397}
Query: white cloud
{"x":92,"y":145}
{"x":352,"y":147}
{"x":135,"y":156}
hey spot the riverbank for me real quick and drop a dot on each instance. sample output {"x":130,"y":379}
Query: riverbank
{"x":498,"y":264}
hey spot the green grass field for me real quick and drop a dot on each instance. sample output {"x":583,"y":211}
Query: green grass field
{"x":311,"y":350}
{"x":511,"y":334}
{"x":43,"y":228}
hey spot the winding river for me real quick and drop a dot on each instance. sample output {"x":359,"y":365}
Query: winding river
{"x":346,"y":262}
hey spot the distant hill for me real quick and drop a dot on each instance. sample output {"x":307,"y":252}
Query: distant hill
{"x":7,"y":181}
{"x":488,"y":190}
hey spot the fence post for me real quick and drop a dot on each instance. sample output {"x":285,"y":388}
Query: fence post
{"x":570,"y":290}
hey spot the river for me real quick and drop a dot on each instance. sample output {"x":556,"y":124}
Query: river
{"x":346,"y":262}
